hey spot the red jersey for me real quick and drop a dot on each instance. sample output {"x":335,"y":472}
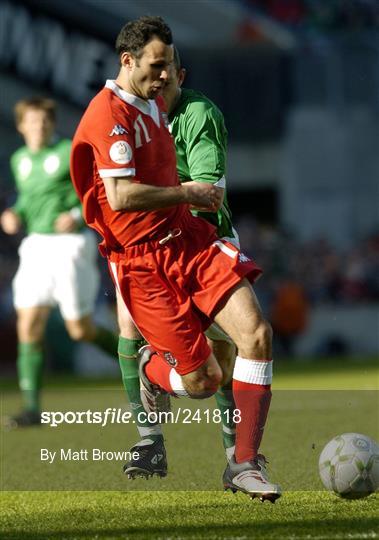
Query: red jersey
{"x":121,"y":135}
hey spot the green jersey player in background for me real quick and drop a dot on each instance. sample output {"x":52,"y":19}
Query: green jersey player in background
{"x":200,"y":136}
{"x":58,"y":255}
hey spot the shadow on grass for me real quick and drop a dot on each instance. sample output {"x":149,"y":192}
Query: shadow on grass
{"x":328,"y":529}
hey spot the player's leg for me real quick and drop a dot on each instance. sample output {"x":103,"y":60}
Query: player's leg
{"x":150,"y":449}
{"x":130,"y":342}
{"x":241,"y":318}
{"x":32,"y":300}
{"x":200,"y":383}
{"x":225,"y":353}
{"x":31,"y":325}
{"x":85,"y":329}
{"x":154,"y":371}
{"x":76,"y":284}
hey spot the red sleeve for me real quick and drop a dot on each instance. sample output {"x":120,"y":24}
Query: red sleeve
{"x":113,"y":142}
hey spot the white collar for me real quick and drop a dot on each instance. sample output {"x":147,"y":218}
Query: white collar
{"x":148,"y":107}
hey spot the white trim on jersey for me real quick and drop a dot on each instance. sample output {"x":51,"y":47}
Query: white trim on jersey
{"x":106,"y":173}
{"x":221,"y":183}
{"x":154,"y":112}
{"x":148,"y":107}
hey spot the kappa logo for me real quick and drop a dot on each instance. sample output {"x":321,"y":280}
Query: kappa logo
{"x":170,"y":359}
{"x":118,"y":129}
{"x":242,"y":258}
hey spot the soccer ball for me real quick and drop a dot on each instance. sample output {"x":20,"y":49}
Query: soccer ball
{"x":349,"y":465}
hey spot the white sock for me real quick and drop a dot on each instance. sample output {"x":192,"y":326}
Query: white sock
{"x":253,"y":371}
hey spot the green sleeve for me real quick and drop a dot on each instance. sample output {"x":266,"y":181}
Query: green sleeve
{"x":206,"y":139}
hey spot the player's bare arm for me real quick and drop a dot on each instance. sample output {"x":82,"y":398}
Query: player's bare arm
{"x":123,"y":194}
{"x":10,"y":221}
{"x":220,"y":193}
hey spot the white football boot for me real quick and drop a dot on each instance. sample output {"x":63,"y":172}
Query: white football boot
{"x":251,"y":477}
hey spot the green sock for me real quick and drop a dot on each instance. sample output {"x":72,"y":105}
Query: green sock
{"x":225,"y":402}
{"x":29,"y":367}
{"x":127,"y":354}
{"x":106,"y":341}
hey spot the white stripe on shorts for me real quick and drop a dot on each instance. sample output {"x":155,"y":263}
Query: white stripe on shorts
{"x":225,"y":249}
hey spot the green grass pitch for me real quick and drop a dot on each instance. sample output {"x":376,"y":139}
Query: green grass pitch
{"x":92,"y":500}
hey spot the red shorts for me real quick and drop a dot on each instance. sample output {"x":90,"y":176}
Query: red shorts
{"x":173,"y":290}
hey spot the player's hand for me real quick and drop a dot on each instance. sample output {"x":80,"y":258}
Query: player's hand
{"x":65,"y":223}
{"x":10,"y":221}
{"x":203,"y":196}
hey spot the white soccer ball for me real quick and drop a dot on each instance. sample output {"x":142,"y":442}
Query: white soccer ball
{"x":349,"y":465}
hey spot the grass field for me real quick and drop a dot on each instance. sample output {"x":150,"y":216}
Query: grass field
{"x":87,"y":500}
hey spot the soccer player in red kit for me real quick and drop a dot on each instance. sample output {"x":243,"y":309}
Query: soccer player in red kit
{"x":173,"y":272}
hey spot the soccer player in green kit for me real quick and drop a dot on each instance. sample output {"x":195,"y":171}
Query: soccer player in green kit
{"x":198,"y":128}
{"x":58,"y":255}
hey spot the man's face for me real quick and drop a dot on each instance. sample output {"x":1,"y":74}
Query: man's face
{"x":37,"y":128}
{"x":171,"y":89}
{"x":148,"y":74}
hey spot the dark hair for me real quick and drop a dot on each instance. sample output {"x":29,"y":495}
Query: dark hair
{"x":136,"y":34}
{"x":177,"y":62}
{"x":36,"y":103}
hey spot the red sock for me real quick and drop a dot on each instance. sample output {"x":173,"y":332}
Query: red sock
{"x":158,"y":372}
{"x":253,"y":400}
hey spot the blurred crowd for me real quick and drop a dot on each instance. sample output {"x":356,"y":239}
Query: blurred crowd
{"x":323,"y":15}
{"x":327,"y":275}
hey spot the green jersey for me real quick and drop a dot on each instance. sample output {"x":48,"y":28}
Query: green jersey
{"x":198,"y":128}
{"x":44,"y":186}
